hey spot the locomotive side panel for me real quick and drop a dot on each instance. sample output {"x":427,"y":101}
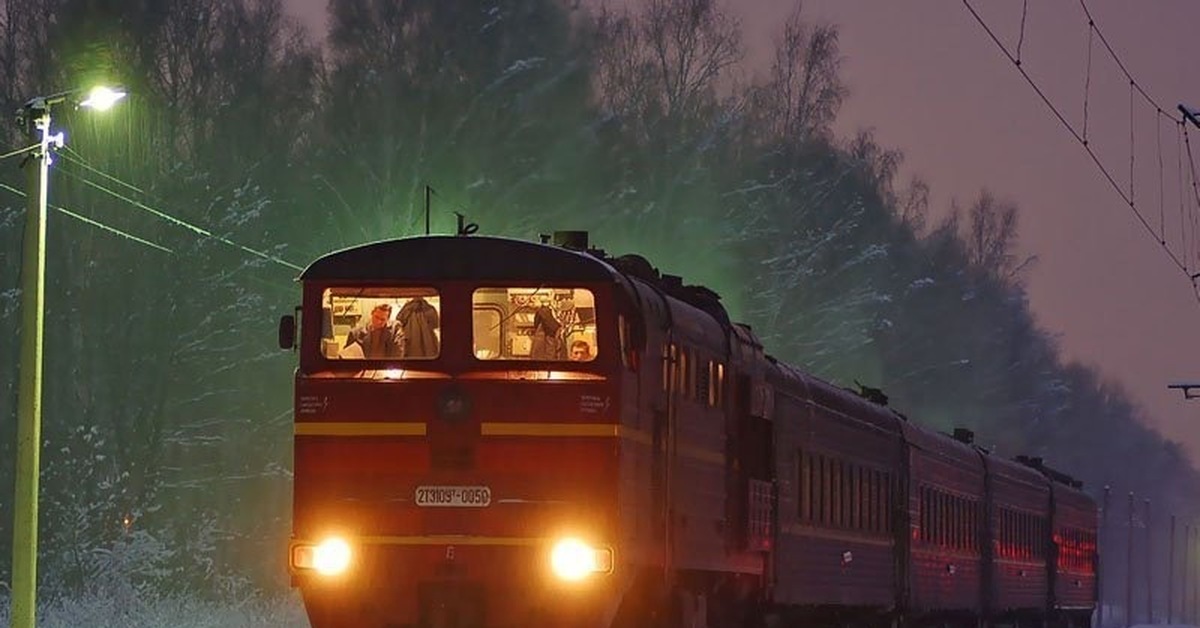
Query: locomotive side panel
{"x":697,"y":444}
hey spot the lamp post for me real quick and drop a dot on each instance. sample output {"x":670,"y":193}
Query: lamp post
{"x":36,"y":114}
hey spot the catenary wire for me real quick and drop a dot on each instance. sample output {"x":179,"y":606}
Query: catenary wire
{"x":182,"y":223}
{"x":1082,"y":140}
{"x":94,"y":223}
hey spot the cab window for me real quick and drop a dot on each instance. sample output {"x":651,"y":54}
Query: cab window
{"x":545,"y":324}
{"x":380,"y":323}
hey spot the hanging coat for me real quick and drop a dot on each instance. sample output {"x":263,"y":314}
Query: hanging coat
{"x":547,"y":344}
{"x":419,"y":319}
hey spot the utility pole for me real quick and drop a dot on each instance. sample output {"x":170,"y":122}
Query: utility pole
{"x":35,"y":114}
{"x":1187,"y":568}
{"x":1195,"y":576}
{"x":1171,"y":574}
{"x":1149,"y":568}
{"x":1129,"y":566}
{"x":29,"y":390}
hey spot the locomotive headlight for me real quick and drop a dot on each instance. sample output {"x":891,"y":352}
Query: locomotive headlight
{"x":328,"y":558}
{"x":571,"y":559}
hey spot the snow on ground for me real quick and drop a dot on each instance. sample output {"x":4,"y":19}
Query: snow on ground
{"x":98,"y":612}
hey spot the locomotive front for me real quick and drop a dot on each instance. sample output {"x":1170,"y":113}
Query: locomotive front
{"x":456,"y":435}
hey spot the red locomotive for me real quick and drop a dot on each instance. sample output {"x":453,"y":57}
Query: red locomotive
{"x":493,"y":432}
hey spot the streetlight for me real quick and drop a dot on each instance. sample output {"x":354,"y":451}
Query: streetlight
{"x":36,"y":114}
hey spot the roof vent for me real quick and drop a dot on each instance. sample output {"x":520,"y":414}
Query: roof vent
{"x":964,"y":435}
{"x":1031,"y":461}
{"x":575,"y":240}
{"x":874,"y":395}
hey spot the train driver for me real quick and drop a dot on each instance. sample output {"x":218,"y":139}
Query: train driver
{"x":381,"y":337}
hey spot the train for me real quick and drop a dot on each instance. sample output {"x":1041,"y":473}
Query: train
{"x":500,"y":432}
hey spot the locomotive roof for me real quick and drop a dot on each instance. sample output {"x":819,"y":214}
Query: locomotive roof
{"x":434,"y":258}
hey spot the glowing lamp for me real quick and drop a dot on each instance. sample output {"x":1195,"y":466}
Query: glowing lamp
{"x":573,"y":560}
{"x":102,"y":98}
{"x":328,"y":558}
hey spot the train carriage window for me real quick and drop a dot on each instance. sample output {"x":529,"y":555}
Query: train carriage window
{"x":1030,"y":526}
{"x":681,"y":371}
{"x":934,"y":519}
{"x":926,"y":526}
{"x":835,"y":492}
{"x":826,"y":491}
{"x":818,"y":489}
{"x":869,"y":500}
{"x":1006,"y":533}
{"x":802,"y":491}
{"x":844,"y":494}
{"x":542,"y":324}
{"x":956,"y":522}
{"x":964,"y":521}
{"x":623,"y":336}
{"x":951,"y":521}
{"x":856,"y":497}
{"x":886,"y":496}
{"x":966,"y":524}
{"x":690,"y":387}
{"x":872,"y":500}
{"x":1039,"y":539}
{"x":1026,"y":534}
{"x":973,"y":527}
{"x":1026,"y":527}
{"x":878,"y":507}
{"x":943,"y":517}
{"x":718,"y":393}
{"x":669,"y":353}
{"x":1010,"y":550}
{"x":814,"y":485}
{"x":380,"y":323}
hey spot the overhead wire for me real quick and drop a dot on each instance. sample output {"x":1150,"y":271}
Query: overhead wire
{"x":172,"y":219}
{"x":20,"y":151}
{"x":94,"y":223}
{"x":76,"y":158}
{"x":1082,"y":138}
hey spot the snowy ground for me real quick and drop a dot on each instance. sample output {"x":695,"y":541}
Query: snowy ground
{"x":284,"y":612}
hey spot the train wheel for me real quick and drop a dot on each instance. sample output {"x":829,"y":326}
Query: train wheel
{"x":647,"y":606}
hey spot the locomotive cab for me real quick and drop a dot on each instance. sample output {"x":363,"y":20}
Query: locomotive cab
{"x":456,"y":435}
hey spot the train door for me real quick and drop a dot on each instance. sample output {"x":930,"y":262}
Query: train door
{"x":662,"y":442}
{"x":751,"y":463}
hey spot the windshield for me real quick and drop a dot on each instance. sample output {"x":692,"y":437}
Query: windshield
{"x":380,"y":323}
{"x":555,"y":324}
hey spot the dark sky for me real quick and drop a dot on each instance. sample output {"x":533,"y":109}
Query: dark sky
{"x":925,"y":76}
